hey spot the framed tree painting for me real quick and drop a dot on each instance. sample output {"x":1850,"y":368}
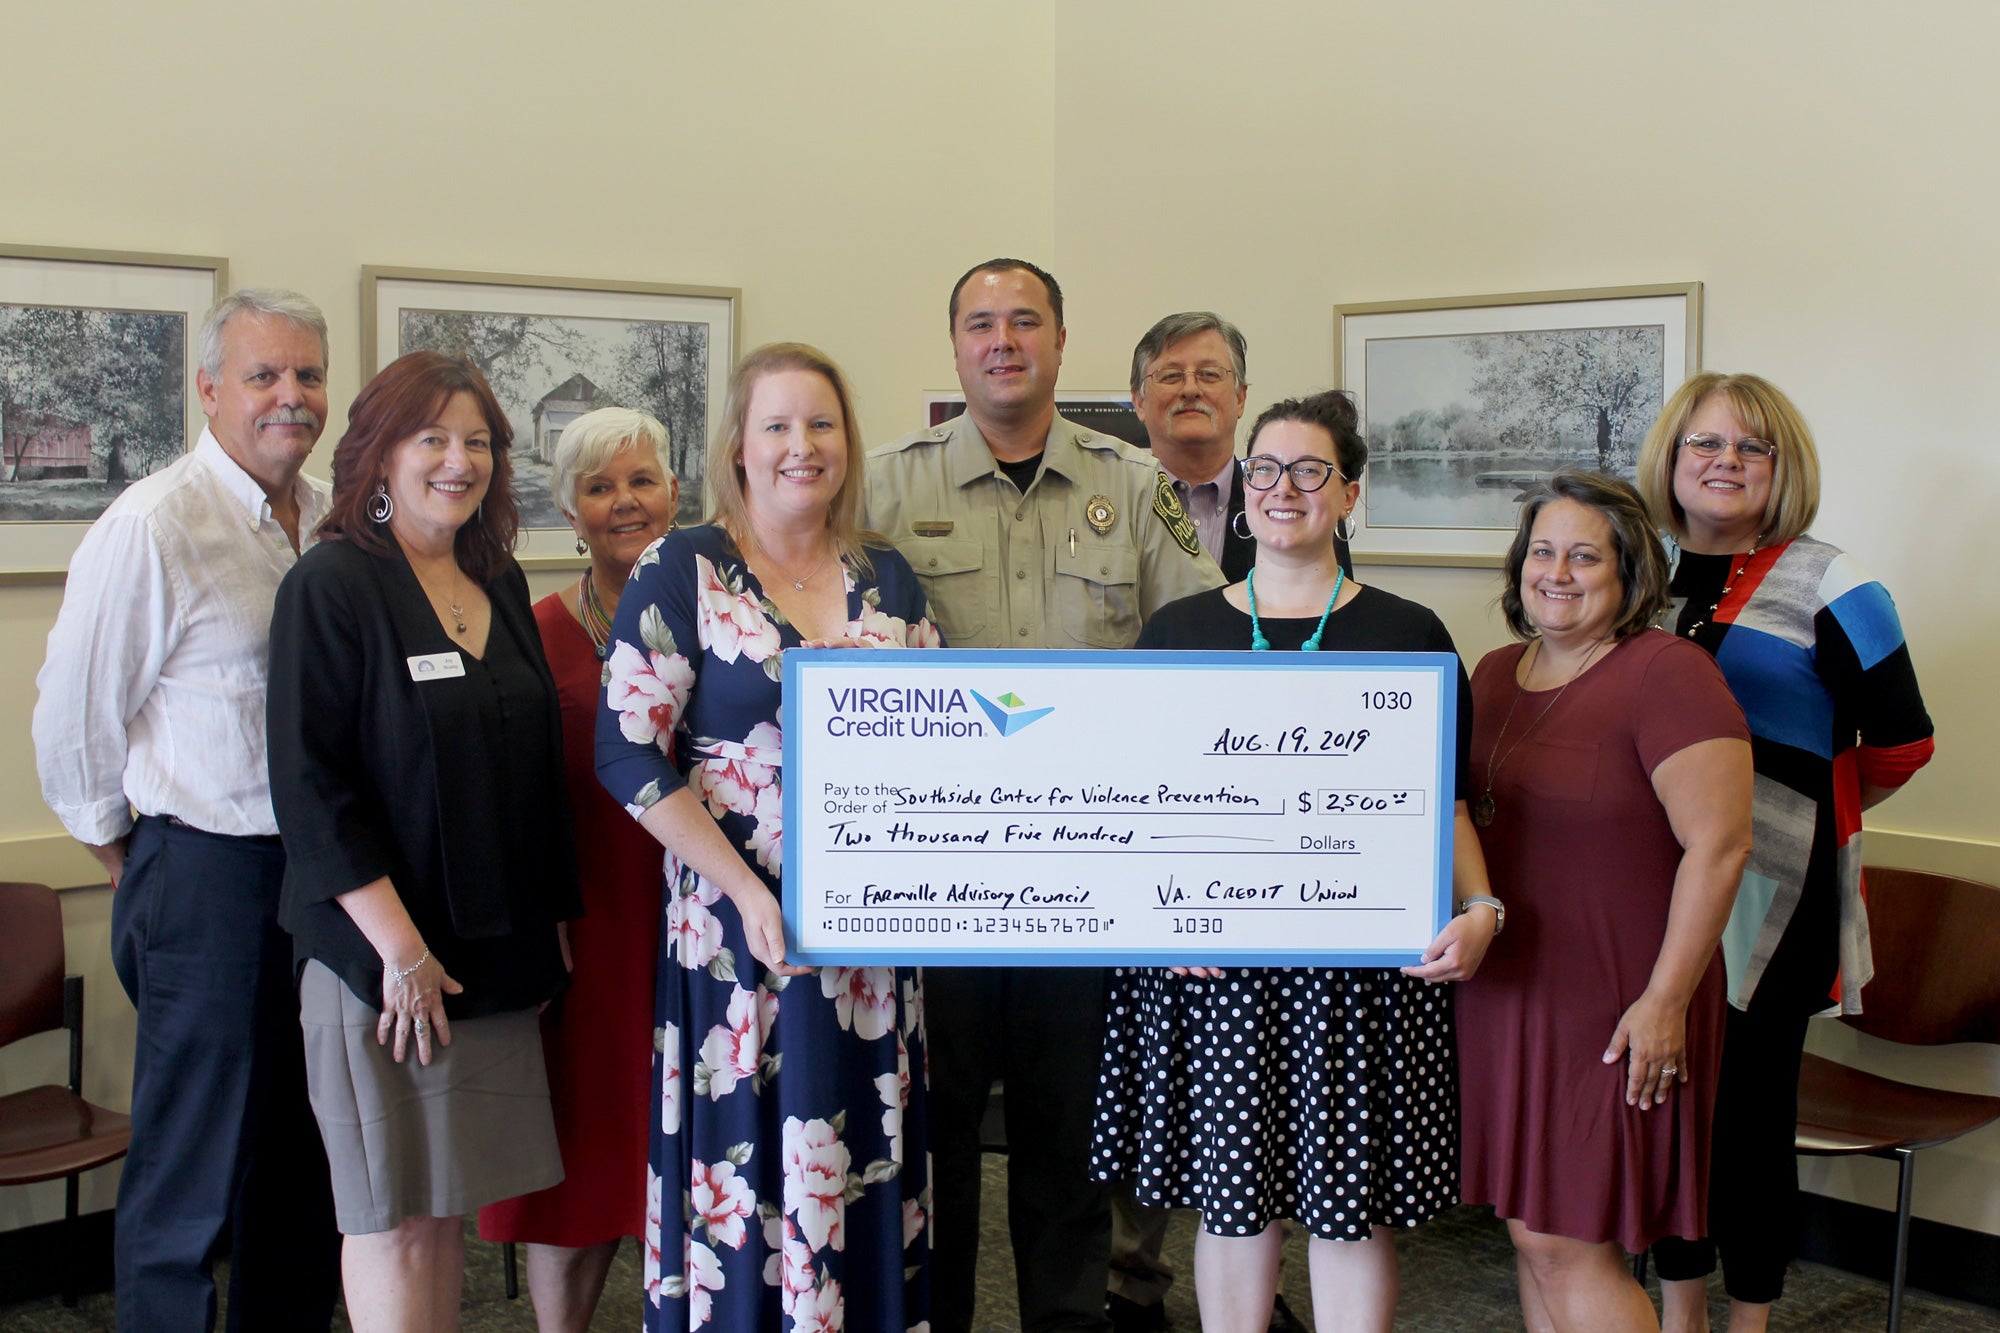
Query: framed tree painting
{"x":555,"y":348}
{"x":97,"y":387}
{"x":1467,"y":402}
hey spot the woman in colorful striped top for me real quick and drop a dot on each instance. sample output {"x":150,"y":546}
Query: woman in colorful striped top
{"x":1813,"y":650}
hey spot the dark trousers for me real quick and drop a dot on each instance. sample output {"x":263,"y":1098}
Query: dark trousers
{"x":224,"y":1144}
{"x":1753,"y":1175}
{"x":1041,"y":1030}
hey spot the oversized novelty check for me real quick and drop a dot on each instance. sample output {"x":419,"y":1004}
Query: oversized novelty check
{"x":982,"y":807}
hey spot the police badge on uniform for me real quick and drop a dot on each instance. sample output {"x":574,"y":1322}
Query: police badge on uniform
{"x":1100,"y":514}
{"x":1167,"y":504}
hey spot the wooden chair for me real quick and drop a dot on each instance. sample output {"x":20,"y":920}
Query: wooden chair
{"x":1935,"y":983}
{"x":48,"y":1131}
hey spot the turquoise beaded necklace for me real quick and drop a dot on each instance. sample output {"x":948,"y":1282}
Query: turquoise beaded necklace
{"x":1260,"y":644}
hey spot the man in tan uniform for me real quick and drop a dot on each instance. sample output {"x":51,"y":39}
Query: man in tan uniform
{"x":1028,"y":531}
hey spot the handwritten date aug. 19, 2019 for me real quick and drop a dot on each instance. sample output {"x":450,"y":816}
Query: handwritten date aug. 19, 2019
{"x":1291,"y":740}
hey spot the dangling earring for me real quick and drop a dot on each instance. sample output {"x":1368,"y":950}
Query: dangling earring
{"x":381,"y":507}
{"x":1237,"y":519}
{"x":580,"y":548}
{"x":1348,"y":519}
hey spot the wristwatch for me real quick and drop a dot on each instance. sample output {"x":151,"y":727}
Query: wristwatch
{"x":1499,"y":909}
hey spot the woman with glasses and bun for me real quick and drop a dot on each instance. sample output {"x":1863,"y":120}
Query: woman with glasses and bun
{"x":1813,"y":650}
{"x":1324,"y":1095}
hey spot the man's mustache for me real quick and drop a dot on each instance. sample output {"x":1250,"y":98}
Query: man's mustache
{"x":289,"y":416}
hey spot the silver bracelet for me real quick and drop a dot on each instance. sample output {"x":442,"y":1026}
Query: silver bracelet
{"x":398,"y":975}
{"x":1499,"y":909}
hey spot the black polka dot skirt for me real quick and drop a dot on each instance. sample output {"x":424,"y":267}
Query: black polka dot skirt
{"x":1324,"y":1095}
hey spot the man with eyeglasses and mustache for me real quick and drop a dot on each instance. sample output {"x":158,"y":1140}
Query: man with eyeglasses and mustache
{"x":1028,"y":531}
{"x":1188,"y":388}
{"x":152,"y":703}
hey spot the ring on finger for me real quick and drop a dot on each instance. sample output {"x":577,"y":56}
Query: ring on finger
{"x":1669,"y":1070}
{"x":423,"y":1028}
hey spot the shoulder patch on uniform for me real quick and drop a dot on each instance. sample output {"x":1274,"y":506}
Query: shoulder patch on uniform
{"x":1167,"y":505}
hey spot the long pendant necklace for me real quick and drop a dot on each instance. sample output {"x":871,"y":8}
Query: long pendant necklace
{"x":1727,"y":584}
{"x":1260,"y":644}
{"x":596,"y":620}
{"x":1484,"y":809}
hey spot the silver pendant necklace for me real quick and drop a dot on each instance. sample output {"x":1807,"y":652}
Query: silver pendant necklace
{"x":1483,"y":808}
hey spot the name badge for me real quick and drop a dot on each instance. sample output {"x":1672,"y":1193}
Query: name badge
{"x":436,"y":666}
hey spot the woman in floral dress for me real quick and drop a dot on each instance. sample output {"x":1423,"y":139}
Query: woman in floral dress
{"x":783,"y":1192}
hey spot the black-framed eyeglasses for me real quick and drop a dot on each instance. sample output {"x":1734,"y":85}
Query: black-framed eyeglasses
{"x":1208,"y":377}
{"x":1261,"y":472}
{"x":1750,"y":449}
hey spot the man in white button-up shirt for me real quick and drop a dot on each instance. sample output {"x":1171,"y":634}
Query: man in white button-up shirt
{"x":152,"y":702}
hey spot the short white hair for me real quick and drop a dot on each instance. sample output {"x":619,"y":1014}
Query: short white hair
{"x":276,"y":302}
{"x":589,"y":443}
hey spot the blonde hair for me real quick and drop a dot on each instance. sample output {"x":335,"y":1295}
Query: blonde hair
{"x":1767,"y":414}
{"x":727,"y":507}
{"x":589,"y":443}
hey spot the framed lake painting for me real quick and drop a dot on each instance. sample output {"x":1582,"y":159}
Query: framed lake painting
{"x":1467,"y":402}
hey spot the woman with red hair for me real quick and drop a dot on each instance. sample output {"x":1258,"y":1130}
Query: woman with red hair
{"x":416,"y":769}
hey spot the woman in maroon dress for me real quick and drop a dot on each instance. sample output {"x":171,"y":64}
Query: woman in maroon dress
{"x":612,"y":481}
{"x":1613,"y":774}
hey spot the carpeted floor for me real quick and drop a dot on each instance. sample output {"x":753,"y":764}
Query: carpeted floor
{"x":1458,"y":1277}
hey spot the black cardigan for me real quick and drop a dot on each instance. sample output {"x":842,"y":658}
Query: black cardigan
{"x":374,"y":774}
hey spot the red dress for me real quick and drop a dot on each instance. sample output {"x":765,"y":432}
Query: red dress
{"x":1582,"y":853}
{"x":598,"y":1038}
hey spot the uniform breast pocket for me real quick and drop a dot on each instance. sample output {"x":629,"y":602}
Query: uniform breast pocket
{"x":1096,"y":594}
{"x":1559,"y":770}
{"x":958,"y":584}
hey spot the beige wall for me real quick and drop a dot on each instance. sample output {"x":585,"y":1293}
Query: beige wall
{"x":1828,"y":178}
{"x":1825,"y":169}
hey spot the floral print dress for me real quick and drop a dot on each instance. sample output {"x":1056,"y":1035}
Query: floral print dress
{"x":782,"y":1189}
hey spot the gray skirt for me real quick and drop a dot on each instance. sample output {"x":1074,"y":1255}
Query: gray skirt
{"x":408,"y":1140}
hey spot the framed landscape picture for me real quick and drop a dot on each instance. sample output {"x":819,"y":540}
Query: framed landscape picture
{"x":555,"y":348}
{"x":97,"y":364}
{"x":1467,"y":402}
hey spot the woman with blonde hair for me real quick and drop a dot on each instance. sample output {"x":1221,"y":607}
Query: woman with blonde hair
{"x":1813,"y":650}
{"x":789,"y":1174}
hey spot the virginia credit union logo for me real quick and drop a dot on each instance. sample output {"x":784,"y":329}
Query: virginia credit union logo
{"x":1008,"y":713}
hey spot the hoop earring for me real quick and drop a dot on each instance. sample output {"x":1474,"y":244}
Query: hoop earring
{"x":1242,"y":532}
{"x":1348,"y":519}
{"x":381,"y":507}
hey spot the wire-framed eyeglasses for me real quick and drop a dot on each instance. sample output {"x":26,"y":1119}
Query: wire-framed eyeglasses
{"x":1750,"y":449}
{"x":1208,"y":377}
